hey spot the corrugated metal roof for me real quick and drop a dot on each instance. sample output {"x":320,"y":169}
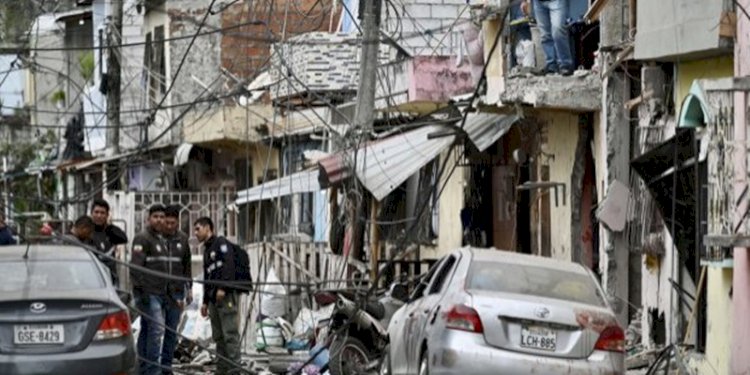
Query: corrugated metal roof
{"x":484,"y":129}
{"x":384,"y":165}
{"x":300,"y":182}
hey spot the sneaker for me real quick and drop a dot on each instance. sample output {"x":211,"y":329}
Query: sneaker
{"x":566,"y":72}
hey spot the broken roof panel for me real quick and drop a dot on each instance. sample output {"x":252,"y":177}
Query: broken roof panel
{"x":385,"y":164}
{"x":300,"y":182}
{"x":484,"y":129}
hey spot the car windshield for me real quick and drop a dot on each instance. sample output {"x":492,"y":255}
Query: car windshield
{"x":50,"y":275}
{"x":536,"y":281}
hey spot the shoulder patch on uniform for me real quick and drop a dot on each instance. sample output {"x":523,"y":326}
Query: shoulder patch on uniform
{"x":224,"y":248}
{"x":179,"y":245}
{"x":158,"y":248}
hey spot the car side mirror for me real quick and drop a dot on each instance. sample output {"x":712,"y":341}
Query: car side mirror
{"x":400,"y":292}
{"x":125,"y":296}
{"x":615,"y":303}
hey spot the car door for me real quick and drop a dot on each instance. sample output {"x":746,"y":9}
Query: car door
{"x":425,"y":314}
{"x":402,"y":325}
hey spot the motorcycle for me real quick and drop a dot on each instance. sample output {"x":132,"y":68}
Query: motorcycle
{"x":356,"y":334}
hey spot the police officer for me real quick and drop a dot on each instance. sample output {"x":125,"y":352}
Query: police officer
{"x":179,"y":293}
{"x":106,"y":236}
{"x":150,"y":251}
{"x":219,"y":302}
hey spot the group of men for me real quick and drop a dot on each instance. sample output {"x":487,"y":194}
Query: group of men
{"x":161,"y":277}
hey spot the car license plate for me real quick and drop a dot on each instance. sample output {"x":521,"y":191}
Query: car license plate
{"x":30,"y":334}
{"x":538,"y":338}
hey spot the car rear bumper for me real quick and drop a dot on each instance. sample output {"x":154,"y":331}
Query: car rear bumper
{"x":111,"y":357}
{"x":467,"y":353}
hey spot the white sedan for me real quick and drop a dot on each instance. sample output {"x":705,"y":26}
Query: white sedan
{"x":497,"y":312}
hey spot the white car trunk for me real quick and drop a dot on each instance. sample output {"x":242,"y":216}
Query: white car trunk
{"x":532,"y":324}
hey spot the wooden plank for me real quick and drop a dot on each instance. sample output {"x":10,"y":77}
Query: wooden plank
{"x":281,"y":255}
{"x":728,"y":25}
{"x":595,"y":10}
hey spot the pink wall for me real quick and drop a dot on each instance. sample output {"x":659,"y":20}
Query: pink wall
{"x":437,"y":78}
{"x":741,"y":281}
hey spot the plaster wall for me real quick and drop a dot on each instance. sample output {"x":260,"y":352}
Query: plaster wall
{"x":741,"y":280}
{"x":689,"y":71}
{"x":562,"y":131}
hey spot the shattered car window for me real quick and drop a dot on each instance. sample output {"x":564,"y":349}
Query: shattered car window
{"x":537,"y":281}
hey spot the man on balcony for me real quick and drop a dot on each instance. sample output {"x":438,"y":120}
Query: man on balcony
{"x":551,"y":17}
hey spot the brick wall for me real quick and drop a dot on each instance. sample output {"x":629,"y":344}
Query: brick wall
{"x":246,"y":50}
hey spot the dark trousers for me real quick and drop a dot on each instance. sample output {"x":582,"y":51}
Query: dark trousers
{"x":226,"y":333}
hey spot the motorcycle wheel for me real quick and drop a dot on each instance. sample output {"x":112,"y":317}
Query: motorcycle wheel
{"x":348,"y":357}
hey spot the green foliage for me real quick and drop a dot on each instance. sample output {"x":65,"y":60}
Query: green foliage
{"x":87,"y":64}
{"x":26,"y":189}
{"x":57,"y":97}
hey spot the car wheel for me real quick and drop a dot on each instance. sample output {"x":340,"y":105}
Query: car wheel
{"x":348,"y":356}
{"x":424,"y":367}
{"x":385,"y":362}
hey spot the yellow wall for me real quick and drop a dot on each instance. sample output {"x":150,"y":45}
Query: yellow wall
{"x":689,"y":71}
{"x":718,"y":281}
{"x":451,"y":203}
{"x":719,"y":324}
{"x":495,"y":72}
{"x":562,"y":139}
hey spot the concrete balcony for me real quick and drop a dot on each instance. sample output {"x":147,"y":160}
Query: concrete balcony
{"x":228,"y":125}
{"x":581,"y":92}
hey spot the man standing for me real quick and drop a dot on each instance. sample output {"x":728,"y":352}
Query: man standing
{"x":179,"y":293}
{"x":6,"y":237}
{"x":551,"y":17}
{"x":106,"y":236}
{"x":219,"y":302}
{"x":150,"y":251}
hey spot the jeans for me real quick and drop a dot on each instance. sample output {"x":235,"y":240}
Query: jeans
{"x":172,"y":314}
{"x":151,"y":334}
{"x":551,"y":16}
{"x":225,"y":331}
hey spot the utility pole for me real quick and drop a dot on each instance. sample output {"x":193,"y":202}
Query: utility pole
{"x":114,"y":41}
{"x":364,"y":112}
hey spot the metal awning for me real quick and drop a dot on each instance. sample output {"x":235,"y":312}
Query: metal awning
{"x":300,"y":182}
{"x":484,"y":129}
{"x":383,"y":165}
{"x":672,"y":172}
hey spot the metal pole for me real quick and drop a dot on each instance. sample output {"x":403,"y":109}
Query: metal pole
{"x":7,"y":190}
{"x":113,"y":77}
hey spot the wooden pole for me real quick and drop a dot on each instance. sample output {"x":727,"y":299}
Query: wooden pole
{"x":374,"y":239}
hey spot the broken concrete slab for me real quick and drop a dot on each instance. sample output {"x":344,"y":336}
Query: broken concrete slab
{"x":613,"y":212}
{"x":581,"y":92}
